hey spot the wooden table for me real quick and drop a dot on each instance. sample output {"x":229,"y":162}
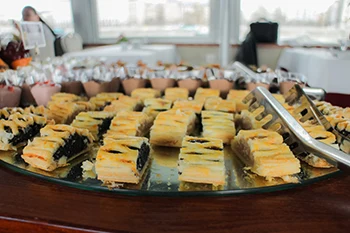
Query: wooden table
{"x":28,"y":204}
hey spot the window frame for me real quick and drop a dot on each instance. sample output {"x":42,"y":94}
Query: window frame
{"x":93,"y":36}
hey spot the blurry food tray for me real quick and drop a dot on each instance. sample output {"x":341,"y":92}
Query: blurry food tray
{"x":161,"y":177}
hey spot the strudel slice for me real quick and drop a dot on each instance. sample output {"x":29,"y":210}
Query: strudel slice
{"x":203,"y":93}
{"x":170,"y":127}
{"x":39,"y":110}
{"x":264,"y":153}
{"x":104,"y":99}
{"x":218,"y":125}
{"x":154,"y":106}
{"x":18,"y":129}
{"x":124,"y":103}
{"x":6,"y":112}
{"x":123,"y":160}
{"x":319,"y":133}
{"x":201,"y":160}
{"x":63,"y":112}
{"x":192,"y":105}
{"x":176,"y":93}
{"x":145,"y":93}
{"x":238,"y":95}
{"x":57,"y":145}
{"x":96,"y":122}
{"x":65,"y":97}
{"x":130,"y":124}
{"x":218,"y":104}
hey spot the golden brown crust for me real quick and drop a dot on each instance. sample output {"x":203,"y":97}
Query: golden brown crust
{"x":264,"y":153}
{"x":176,"y":93}
{"x":201,"y":160}
{"x":218,"y":104}
{"x":16,"y":125}
{"x":40,"y":152}
{"x":117,"y":159}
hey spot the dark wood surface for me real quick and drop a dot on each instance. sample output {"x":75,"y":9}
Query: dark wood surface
{"x":28,"y":204}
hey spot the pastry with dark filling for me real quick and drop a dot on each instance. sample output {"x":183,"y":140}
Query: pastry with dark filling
{"x":56,"y":146}
{"x":6,"y":112}
{"x":39,"y":111}
{"x":130,"y":124}
{"x":18,"y":129}
{"x":96,"y":122}
{"x":104,"y":99}
{"x":218,"y":125}
{"x":264,"y":153}
{"x":122,"y":160}
{"x":154,"y":106}
{"x":201,"y":160}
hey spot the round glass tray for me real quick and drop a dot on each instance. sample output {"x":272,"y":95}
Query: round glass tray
{"x":161,"y":177}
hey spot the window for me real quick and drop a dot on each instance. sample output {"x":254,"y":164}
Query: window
{"x":310,"y":22}
{"x":153,"y":18}
{"x":56,"y":13}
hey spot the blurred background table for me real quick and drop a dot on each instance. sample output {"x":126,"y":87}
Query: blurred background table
{"x":322,"y":69}
{"x":149,"y":54}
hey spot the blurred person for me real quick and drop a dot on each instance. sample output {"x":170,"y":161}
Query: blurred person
{"x":31,"y":15}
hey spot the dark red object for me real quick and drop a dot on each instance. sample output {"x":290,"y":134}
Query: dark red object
{"x":341,"y":100}
{"x":29,"y":204}
{"x":13,"y":51}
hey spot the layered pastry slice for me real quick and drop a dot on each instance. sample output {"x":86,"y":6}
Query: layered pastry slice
{"x":218,"y":104}
{"x":130,"y":124}
{"x":6,"y":112}
{"x":124,"y":103}
{"x":153,"y":106}
{"x":39,"y":111}
{"x":18,"y":129}
{"x":191,"y":105}
{"x":56,"y":146}
{"x":201,"y":160}
{"x":218,"y":125}
{"x":104,"y":99}
{"x":65,"y":97}
{"x":264,"y":153}
{"x":122,"y":160}
{"x":238,"y":95}
{"x":96,"y":122}
{"x":176,"y":93}
{"x":203,"y":93}
{"x":342,"y":125}
{"x":170,"y":127}
{"x":145,"y":93}
{"x":319,"y":133}
{"x":63,"y":113}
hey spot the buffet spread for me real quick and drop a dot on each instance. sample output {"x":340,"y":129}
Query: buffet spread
{"x":165,"y":129}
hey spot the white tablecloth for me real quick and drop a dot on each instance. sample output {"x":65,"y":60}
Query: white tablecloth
{"x":149,"y":54}
{"x":321,"y":68}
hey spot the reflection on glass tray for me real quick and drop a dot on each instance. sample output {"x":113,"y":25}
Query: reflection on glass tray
{"x":161,"y":178}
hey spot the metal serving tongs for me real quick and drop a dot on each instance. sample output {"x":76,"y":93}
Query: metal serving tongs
{"x":309,"y":111}
{"x":294,"y":135}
